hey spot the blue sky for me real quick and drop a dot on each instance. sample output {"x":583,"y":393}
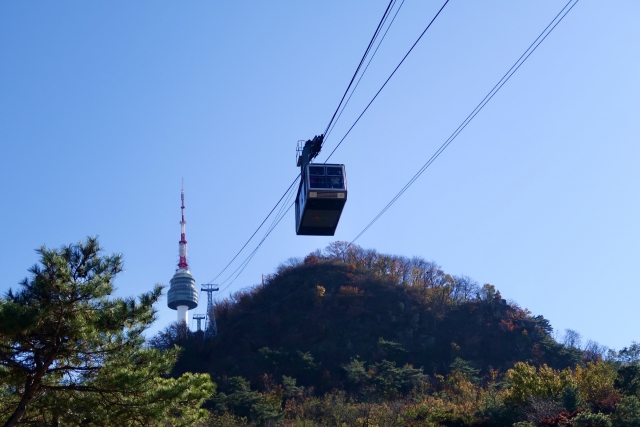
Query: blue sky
{"x":105,"y":106}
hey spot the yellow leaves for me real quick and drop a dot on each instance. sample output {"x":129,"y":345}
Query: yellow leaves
{"x":595,"y":381}
{"x":320,"y":291}
{"x":460,"y":388}
{"x":527,"y":382}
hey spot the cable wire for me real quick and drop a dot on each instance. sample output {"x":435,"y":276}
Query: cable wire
{"x":386,"y":81}
{"x":257,"y":229}
{"x":552,"y":25}
{"x":250,"y":257}
{"x":276,"y":220}
{"x":274,"y":223}
{"x":366,"y":52}
{"x":326,"y":136}
{"x":243,"y":264}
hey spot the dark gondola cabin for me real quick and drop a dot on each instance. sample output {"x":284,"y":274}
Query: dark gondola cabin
{"x":321,"y":197}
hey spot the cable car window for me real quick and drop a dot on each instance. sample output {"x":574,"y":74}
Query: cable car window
{"x":317,"y":181}
{"x":334,"y":171}
{"x":316,"y":170}
{"x":335,"y":182}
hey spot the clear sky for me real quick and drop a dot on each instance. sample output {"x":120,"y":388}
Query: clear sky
{"x":105,"y":106}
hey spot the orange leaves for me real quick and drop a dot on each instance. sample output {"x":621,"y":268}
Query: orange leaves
{"x":508,"y":325}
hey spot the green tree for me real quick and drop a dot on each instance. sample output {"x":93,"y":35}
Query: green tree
{"x":385,"y":377}
{"x":571,"y":399}
{"x":356,"y":373}
{"x":464,"y":367}
{"x":70,"y":354}
{"x":393,"y":380}
{"x":628,"y":380}
{"x":291,"y":390}
{"x":628,"y":412}
{"x":588,"y":419}
{"x":244,"y":402}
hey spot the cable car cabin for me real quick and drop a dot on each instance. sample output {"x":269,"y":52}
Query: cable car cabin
{"x":321,"y":198}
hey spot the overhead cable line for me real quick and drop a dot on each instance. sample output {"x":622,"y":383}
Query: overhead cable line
{"x":552,"y":25}
{"x":244,"y":264}
{"x":387,"y":81}
{"x":238,"y":271}
{"x":276,"y":220}
{"x":257,"y":229}
{"x":366,"y":52}
{"x":363,"y":72}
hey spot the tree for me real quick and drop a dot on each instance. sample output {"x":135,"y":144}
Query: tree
{"x":70,"y":354}
{"x":384,"y":378}
{"x":629,"y":355}
{"x":465,"y":368}
{"x":572,"y":338}
{"x":527,"y":382}
{"x":244,"y":402}
{"x":596,"y":382}
{"x":588,"y":419}
{"x":628,"y":412}
{"x":628,"y":380}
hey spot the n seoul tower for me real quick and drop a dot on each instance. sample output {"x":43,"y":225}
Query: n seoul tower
{"x":182,"y":295}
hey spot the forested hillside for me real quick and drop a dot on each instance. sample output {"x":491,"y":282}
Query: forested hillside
{"x":355,"y":327}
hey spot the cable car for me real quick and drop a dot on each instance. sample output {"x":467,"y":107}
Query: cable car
{"x":322,"y":192}
{"x":321,"y":197}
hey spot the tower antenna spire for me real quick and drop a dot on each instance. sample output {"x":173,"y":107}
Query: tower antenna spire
{"x":183,"y":241}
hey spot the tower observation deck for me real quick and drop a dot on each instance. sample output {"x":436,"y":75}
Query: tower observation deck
{"x":182,"y":295}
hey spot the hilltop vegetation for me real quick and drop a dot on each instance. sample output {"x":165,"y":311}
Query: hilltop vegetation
{"x":314,"y":316}
{"x":348,"y":335}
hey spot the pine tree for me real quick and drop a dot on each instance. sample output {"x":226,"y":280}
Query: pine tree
{"x":71,"y":355}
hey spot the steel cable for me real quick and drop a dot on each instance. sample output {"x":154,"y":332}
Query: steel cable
{"x":387,"y":81}
{"x":476,"y":110}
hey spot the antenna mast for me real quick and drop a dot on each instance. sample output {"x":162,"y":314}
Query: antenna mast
{"x":183,"y":241}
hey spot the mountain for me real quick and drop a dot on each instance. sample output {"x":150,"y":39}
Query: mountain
{"x":344,"y":310}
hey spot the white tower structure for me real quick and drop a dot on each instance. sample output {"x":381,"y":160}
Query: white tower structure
{"x":182,"y":295}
